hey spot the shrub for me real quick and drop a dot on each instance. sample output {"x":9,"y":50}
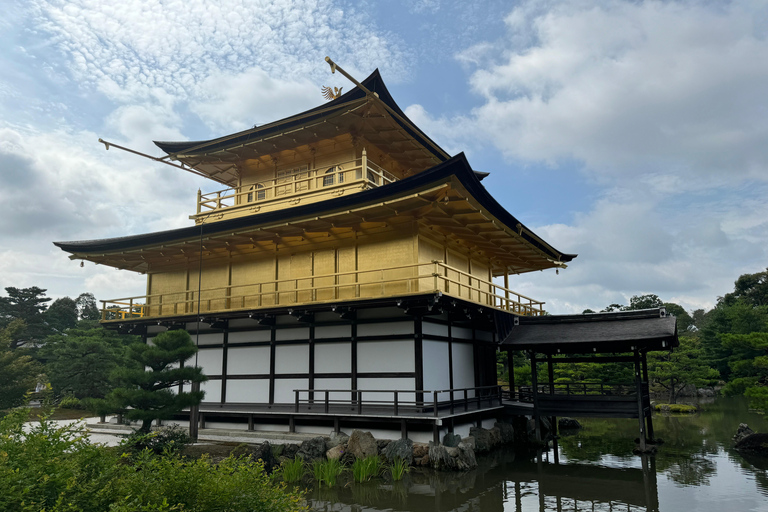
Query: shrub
{"x":71,"y":402}
{"x":168,"y":439}
{"x":676,"y":408}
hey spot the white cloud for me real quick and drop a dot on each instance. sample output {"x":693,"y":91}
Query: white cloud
{"x":629,"y":87}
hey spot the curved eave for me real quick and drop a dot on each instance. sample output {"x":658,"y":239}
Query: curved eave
{"x":374,"y":83}
{"x":455,"y":173}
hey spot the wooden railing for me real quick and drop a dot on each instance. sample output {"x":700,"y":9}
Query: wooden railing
{"x":525,"y":393}
{"x":391,"y":281}
{"x":397,"y":402}
{"x":360,"y":171}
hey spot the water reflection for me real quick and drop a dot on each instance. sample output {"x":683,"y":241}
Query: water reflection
{"x":695,"y":469}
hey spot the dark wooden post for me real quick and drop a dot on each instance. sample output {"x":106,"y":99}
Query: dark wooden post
{"x":194,"y":416}
{"x":511,"y":369}
{"x":535,"y":386}
{"x":647,"y":397}
{"x":551,"y":375}
{"x":639,"y":391}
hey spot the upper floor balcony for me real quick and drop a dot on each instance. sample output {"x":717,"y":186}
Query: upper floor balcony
{"x":400,"y":280}
{"x":300,"y":185}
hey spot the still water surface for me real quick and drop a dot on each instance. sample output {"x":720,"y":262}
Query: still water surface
{"x":694,"y":470}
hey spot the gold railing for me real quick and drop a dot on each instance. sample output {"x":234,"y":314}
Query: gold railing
{"x":392,"y":281}
{"x":360,"y":171}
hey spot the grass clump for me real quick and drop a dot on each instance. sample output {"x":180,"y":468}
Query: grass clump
{"x":327,"y":471}
{"x":398,"y":468}
{"x":676,"y":408}
{"x":168,"y":439}
{"x":291,"y":470}
{"x":365,"y":469}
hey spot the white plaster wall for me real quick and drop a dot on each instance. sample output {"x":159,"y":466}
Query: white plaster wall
{"x":292,"y":358}
{"x":387,"y":385}
{"x":436,"y":369}
{"x":246,"y":336}
{"x":333,"y":384}
{"x":293,"y":333}
{"x":252,"y":390}
{"x":461,"y":332}
{"x":333,"y":357}
{"x":248,"y":360}
{"x":284,"y":390}
{"x":434,"y":329}
{"x":333,"y":331}
{"x":210,"y":360}
{"x":484,"y":335}
{"x":216,"y":338}
{"x":212,"y":390}
{"x":385,"y":356}
{"x":463,"y":366}
{"x":385,"y":328}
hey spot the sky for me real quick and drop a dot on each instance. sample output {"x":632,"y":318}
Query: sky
{"x":633,"y":133}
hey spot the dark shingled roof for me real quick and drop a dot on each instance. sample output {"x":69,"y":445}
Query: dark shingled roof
{"x":456,"y":166}
{"x":373,"y":83}
{"x":648,"y":329}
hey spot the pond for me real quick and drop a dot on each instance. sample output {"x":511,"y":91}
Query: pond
{"x":593,"y":470}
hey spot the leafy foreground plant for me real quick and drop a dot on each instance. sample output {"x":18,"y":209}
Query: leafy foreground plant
{"x":365,"y":469}
{"x":168,"y":439}
{"x":398,"y":468}
{"x":56,"y":469}
{"x":327,"y":471}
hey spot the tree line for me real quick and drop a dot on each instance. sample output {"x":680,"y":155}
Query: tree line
{"x":60,"y":352}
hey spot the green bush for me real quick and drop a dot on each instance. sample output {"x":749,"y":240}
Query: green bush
{"x":55,"y":469}
{"x":167,"y":439}
{"x":71,"y":402}
{"x":292,"y":470}
{"x":398,"y":469}
{"x":676,"y":408}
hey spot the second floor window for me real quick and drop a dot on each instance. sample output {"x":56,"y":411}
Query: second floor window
{"x":257,"y":192}
{"x":331,"y":177}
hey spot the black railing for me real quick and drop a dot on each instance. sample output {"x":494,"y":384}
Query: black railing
{"x":525,"y":393}
{"x":397,"y":402}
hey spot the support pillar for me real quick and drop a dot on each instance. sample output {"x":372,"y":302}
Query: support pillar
{"x":647,"y":402}
{"x":640,"y":408}
{"x":194,"y":416}
{"x":535,"y":386}
{"x":511,"y":366}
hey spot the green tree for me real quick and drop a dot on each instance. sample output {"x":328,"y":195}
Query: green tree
{"x":684,"y":320}
{"x":146,"y":393}
{"x":681,"y":367}
{"x":87,"y":308}
{"x":27,"y":304}
{"x":18,"y":371}
{"x":61,"y":315}
{"x":751,"y":289}
{"x":81,"y":360}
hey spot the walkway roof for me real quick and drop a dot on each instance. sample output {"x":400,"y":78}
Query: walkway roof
{"x":617,"y":332}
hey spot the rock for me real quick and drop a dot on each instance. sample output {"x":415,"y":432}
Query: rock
{"x":420,"y":450}
{"x":264,"y":452}
{"x":706,"y":392}
{"x":423,"y":461}
{"x":568,"y":424}
{"x":336,"y":439}
{"x":440,"y":458}
{"x":471,"y":442}
{"x":485,"y":440}
{"x":506,"y":430}
{"x":312,"y":449}
{"x":465,"y":459}
{"x":381,"y":444}
{"x":402,"y":448}
{"x":290,"y":450}
{"x":362,"y":444}
{"x":451,"y":440}
{"x":742,"y":433}
{"x":278,"y":449}
{"x":336,"y":452}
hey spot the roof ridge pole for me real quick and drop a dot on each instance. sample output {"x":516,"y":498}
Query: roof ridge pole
{"x":335,"y":67}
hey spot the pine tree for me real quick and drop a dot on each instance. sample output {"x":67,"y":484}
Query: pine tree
{"x":147,"y":393}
